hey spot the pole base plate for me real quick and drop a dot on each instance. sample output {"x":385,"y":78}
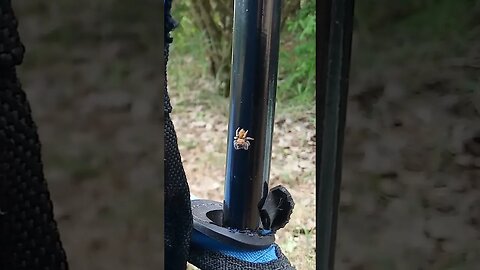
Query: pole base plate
{"x":207,"y":219}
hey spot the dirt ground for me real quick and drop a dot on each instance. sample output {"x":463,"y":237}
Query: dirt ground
{"x":410,"y":195}
{"x":293,"y":166}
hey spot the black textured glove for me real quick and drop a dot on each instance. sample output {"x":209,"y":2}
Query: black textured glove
{"x":238,"y":260}
{"x":178,"y":216}
{"x":29,"y":239}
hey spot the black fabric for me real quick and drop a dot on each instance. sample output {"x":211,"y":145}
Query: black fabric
{"x":169,"y":26}
{"x":210,"y":260}
{"x":29,"y":238}
{"x":11,"y":49}
{"x":178,"y":215}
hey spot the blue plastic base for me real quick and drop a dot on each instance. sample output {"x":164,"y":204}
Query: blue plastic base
{"x":254,"y":256}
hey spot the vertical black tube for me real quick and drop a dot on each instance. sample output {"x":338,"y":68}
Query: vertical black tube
{"x":334,"y":36}
{"x":256,"y":38}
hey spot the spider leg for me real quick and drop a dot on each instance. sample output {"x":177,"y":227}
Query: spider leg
{"x":249,"y":138}
{"x":235,"y":145}
{"x":236,"y":132}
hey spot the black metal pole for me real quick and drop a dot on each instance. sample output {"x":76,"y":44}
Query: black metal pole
{"x":256,"y":38}
{"x":334,"y":36}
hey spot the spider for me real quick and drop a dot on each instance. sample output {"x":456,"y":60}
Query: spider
{"x":241,"y":140}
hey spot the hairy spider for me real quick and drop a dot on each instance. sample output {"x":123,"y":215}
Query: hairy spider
{"x":241,"y":140}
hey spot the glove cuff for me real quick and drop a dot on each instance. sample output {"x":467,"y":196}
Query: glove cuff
{"x":214,"y":260}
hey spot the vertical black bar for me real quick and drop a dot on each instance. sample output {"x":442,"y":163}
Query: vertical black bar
{"x":256,"y":38}
{"x":335,"y":21}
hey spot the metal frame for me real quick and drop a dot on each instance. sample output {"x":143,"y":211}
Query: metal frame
{"x":335,"y":23}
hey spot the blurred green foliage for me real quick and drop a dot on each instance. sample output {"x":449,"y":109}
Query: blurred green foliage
{"x":428,"y":40}
{"x":387,"y":33}
{"x":424,"y":19}
{"x":296,"y":79}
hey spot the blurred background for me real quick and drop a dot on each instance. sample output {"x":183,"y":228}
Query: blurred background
{"x":411,"y":184}
{"x":410,"y":195}
{"x":91,"y":75}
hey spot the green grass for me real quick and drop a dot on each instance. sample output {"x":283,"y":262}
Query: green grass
{"x":296,"y":80}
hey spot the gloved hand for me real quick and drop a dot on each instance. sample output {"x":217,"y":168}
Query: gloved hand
{"x":29,"y":237}
{"x":207,"y":253}
{"x":178,"y":215}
